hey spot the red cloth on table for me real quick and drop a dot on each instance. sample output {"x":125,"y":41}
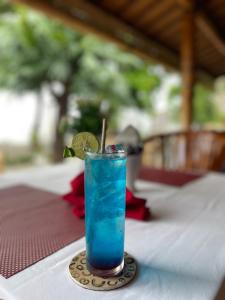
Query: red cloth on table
{"x":135,"y":207}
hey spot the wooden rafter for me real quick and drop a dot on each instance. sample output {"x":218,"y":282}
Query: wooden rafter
{"x":207,"y":27}
{"x":186,"y":4}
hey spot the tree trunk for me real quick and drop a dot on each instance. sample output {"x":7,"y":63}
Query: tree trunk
{"x":62,"y":101}
{"x":59,"y":137}
{"x":37,"y":122}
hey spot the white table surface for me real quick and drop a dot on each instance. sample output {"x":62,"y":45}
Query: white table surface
{"x":181,"y":252}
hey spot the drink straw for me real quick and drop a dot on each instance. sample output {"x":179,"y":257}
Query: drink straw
{"x":104,"y":125}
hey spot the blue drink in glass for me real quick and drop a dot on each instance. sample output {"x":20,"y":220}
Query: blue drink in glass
{"x":105,"y":188}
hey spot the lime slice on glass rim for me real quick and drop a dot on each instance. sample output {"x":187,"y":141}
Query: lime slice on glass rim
{"x":83,"y":142}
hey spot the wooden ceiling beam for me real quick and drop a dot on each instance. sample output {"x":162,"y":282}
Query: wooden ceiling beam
{"x":186,"y":4}
{"x":124,"y":33}
{"x":210,"y":31}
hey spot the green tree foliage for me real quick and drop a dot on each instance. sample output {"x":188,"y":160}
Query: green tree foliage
{"x":5,"y":7}
{"x":39,"y":52}
{"x":205,"y":109}
{"x":174,"y":102}
{"x":142,"y":80}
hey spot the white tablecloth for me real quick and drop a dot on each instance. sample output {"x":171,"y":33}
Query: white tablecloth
{"x":181,"y":252}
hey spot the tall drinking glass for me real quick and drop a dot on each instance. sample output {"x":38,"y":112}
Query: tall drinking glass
{"x":105,"y":188}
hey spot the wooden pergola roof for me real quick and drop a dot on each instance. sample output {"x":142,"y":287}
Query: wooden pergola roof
{"x":187,"y":35}
{"x":150,"y":28}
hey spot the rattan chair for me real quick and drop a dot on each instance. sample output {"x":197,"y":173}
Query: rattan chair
{"x":192,"y":150}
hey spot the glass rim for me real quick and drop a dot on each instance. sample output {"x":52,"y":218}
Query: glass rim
{"x":117,"y":154}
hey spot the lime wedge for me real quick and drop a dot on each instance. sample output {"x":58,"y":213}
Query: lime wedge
{"x":68,"y":152}
{"x":83,"y":142}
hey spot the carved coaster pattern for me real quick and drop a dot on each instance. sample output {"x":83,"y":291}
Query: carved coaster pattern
{"x":80,"y":274}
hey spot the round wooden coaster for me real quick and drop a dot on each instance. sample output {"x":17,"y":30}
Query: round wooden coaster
{"x":80,"y":274}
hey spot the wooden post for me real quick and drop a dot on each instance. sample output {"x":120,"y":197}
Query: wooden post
{"x":187,"y":67}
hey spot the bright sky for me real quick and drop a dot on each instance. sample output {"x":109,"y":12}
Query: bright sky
{"x":17,"y":117}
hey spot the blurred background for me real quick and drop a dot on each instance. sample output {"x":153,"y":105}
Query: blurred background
{"x":56,"y":81}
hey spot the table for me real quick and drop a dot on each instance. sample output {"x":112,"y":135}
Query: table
{"x":181,"y":252}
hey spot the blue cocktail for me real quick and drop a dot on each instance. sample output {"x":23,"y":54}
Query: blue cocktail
{"x":105,"y":188}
